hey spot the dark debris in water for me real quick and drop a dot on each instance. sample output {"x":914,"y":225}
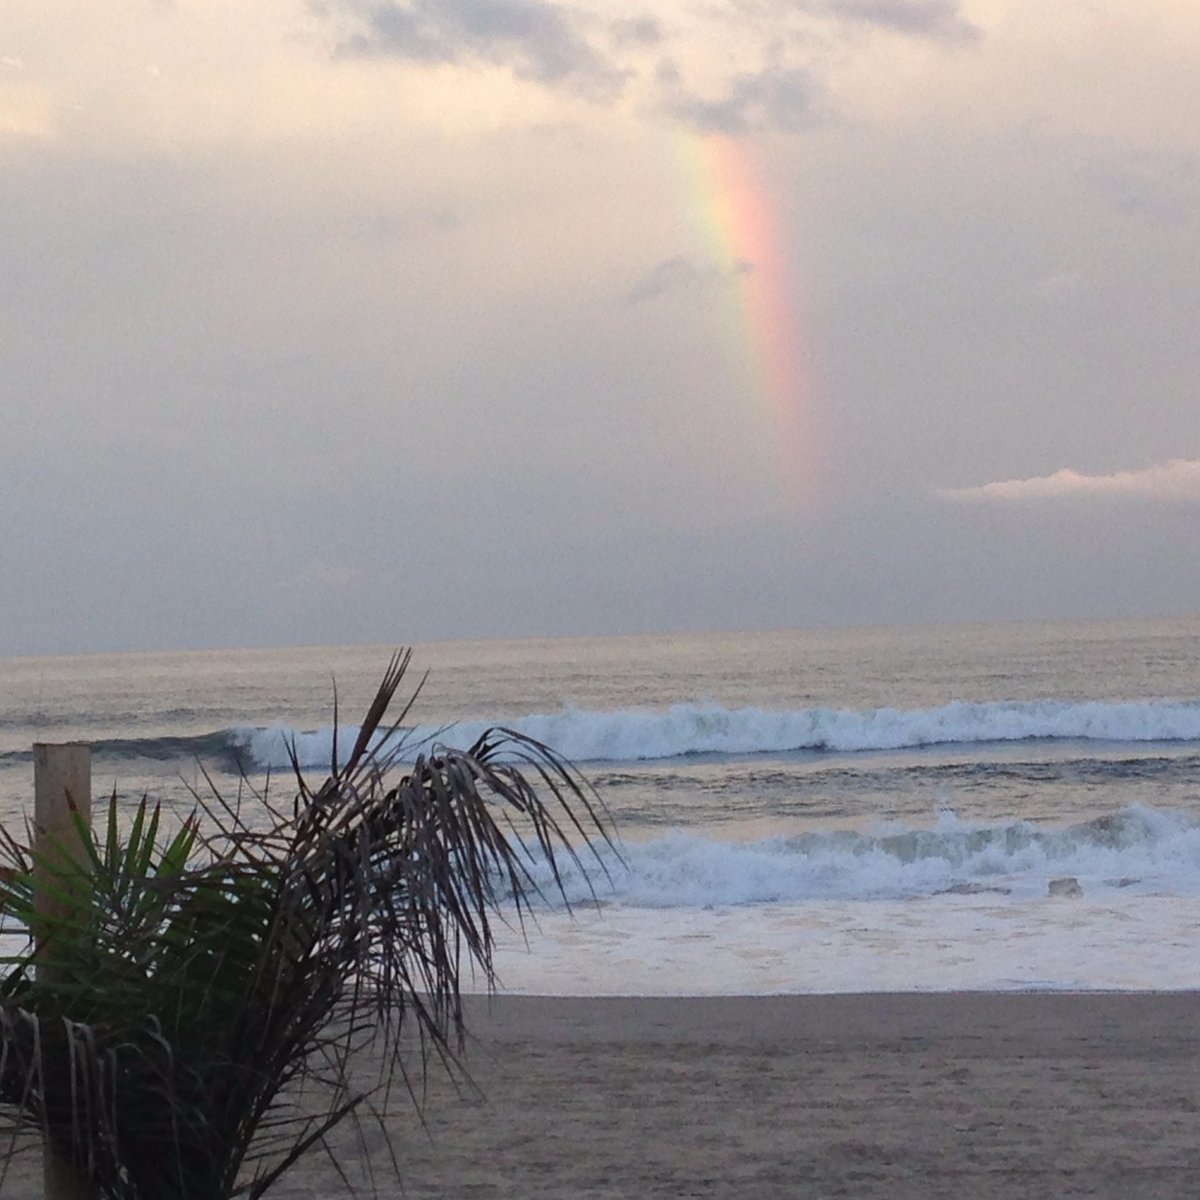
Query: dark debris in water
{"x":973,"y":889}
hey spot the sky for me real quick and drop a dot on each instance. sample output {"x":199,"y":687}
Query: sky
{"x":330,"y":321}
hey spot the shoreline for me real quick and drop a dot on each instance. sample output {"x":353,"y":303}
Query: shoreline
{"x":911,"y":993}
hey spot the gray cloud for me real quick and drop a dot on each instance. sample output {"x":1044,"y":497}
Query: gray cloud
{"x":781,"y":98}
{"x":637,"y":31}
{"x":1152,"y":186}
{"x":537,"y":39}
{"x":938,"y":19}
{"x":679,"y":274}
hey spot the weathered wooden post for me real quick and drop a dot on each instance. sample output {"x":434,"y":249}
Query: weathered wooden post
{"x":62,"y":784}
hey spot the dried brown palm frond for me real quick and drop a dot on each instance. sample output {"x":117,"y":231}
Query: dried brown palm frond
{"x":210,"y":994}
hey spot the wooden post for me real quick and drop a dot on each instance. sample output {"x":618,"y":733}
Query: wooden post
{"x":62,"y":783}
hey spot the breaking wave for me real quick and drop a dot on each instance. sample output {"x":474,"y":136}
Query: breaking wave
{"x":641,"y":735}
{"x":1139,"y":848}
{"x":631,"y":735}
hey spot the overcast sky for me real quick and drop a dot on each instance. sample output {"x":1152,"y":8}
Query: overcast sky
{"x":386,"y":320}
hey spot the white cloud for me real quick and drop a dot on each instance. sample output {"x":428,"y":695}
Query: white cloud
{"x":1178,"y":479}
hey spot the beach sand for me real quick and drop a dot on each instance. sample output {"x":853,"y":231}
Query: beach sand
{"x":966,"y":1095}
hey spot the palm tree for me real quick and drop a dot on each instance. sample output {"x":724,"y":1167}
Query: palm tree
{"x":212,"y":989}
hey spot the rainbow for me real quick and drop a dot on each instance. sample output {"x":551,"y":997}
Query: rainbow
{"x":737,"y":227}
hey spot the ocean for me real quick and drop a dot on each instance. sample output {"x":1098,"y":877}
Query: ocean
{"x":798,"y":811}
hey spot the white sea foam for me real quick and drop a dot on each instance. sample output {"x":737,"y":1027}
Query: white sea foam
{"x":950,"y":907}
{"x":630,"y":735}
{"x":1139,"y":850}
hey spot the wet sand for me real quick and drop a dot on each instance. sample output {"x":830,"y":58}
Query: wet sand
{"x":969,"y":1096}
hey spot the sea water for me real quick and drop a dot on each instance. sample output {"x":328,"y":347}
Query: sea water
{"x":798,"y":811}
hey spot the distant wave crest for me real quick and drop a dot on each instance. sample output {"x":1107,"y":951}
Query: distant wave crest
{"x":631,"y":735}
{"x":640,"y":735}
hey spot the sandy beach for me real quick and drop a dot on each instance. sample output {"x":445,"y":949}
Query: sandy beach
{"x":980,"y":1095}
{"x":896,"y":1096}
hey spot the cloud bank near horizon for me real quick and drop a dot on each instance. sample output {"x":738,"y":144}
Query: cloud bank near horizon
{"x":1178,"y":479}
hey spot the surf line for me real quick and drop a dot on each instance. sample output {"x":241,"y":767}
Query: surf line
{"x":739,"y":228}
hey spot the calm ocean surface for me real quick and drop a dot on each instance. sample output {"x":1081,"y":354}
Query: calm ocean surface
{"x":800,"y":811}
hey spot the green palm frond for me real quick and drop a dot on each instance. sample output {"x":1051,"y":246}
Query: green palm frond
{"x":211,"y":989}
